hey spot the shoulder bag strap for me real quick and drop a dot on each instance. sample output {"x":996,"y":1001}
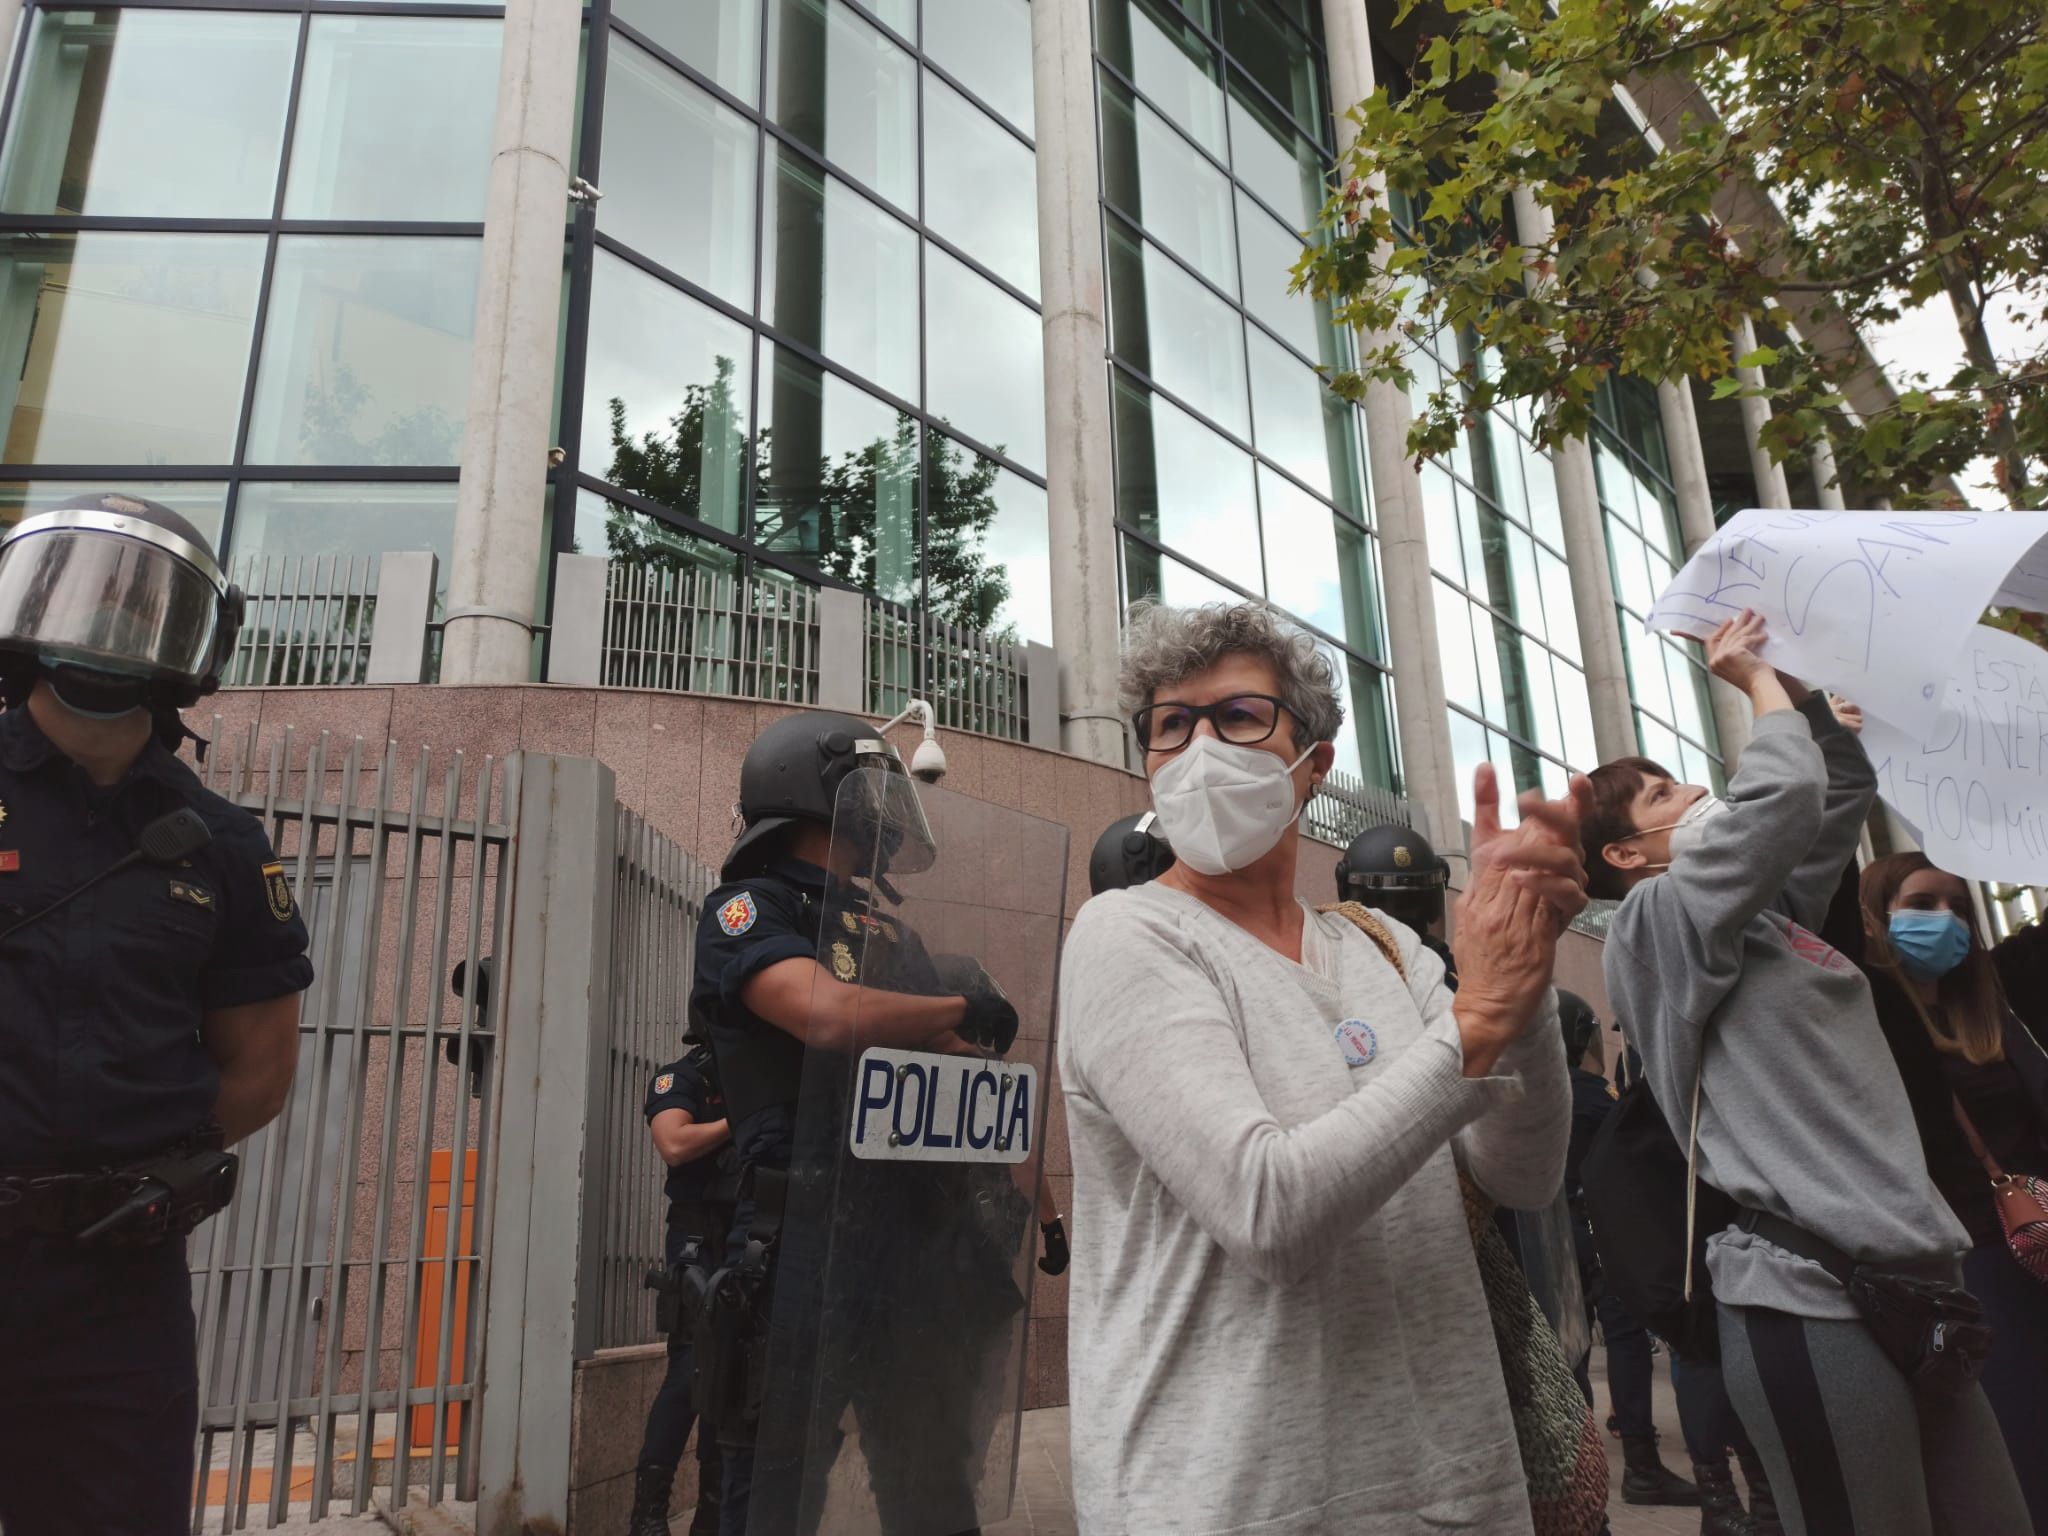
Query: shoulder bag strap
{"x":1360,"y":917}
{"x":1983,"y":1153}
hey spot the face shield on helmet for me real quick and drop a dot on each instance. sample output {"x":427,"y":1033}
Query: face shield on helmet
{"x":880,"y":817}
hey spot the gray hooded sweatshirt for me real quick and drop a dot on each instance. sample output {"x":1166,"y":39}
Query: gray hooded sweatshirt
{"x":1802,"y":1113}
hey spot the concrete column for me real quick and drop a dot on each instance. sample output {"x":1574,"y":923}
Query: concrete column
{"x":1428,"y":770}
{"x":1771,"y":490}
{"x":10,"y":18}
{"x":1695,"y":526}
{"x":1080,"y":475}
{"x":1585,"y":551}
{"x":499,"y":508}
{"x":1824,"y":471}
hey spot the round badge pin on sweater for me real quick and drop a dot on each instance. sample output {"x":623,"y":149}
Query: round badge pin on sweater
{"x":1358,"y":1042}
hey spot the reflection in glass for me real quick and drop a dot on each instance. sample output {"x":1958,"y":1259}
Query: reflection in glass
{"x":1631,"y":575}
{"x":1152,"y":577}
{"x":395,"y":119}
{"x":1369,"y":712}
{"x":1468,"y":751}
{"x":1540,"y":713}
{"x":1454,"y":644}
{"x":840,"y":275}
{"x":149,"y":114}
{"x":1301,"y":426}
{"x":125,"y":349}
{"x":203,"y":503}
{"x":1303,"y":574}
{"x":1170,"y":327}
{"x":718,"y":38}
{"x":678,"y":175}
{"x":1560,"y":613}
{"x":665,"y":402}
{"x":980,"y":186}
{"x":986,"y":46}
{"x":1649,"y":685}
{"x":1179,"y":483}
{"x":1151,"y":44}
{"x":1276,"y":56}
{"x":835,"y":475}
{"x":841,"y":87}
{"x":344,"y":522}
{"x":365,"y":351}
{"x":1273,"y":159}
{"x":1269,"y":253}
{"x":987,"y":564}
{"x":1153,"y":174}
{"x":985,"y":372}
{"x":1575,"y":713}
{"x":612,"y":529}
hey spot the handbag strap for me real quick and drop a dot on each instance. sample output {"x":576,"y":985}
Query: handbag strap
{"x":1991,"y":1167}
{"x":1361,"y":917}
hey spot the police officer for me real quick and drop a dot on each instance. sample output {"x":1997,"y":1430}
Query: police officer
{"x":1131,"y":851}
{"x":789,"y":952}
{"x":1395,"y":870}
{"x":686,"y":1117}
{"x":151,"y":962}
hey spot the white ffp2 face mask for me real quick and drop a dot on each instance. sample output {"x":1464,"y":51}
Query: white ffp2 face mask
{"x":1222,"y":806}
{"x":1690,"y":826}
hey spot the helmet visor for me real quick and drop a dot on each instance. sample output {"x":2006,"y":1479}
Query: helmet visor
{"x":879,"y":814}
{"x":95,"y":599}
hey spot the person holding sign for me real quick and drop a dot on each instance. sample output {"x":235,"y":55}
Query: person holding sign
{"x":1978,"y":1080}
{"x":1277,"y":1320}
{"x":1847,"y":1344}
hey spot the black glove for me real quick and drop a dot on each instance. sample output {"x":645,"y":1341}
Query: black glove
{"x":991,"y":1019}
{"x":1056,"y":1255}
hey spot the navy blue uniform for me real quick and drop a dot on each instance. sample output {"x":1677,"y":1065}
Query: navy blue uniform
{"x":103,"y":1064}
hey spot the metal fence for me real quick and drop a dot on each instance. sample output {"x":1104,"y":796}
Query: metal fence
{"x":657,"y":898}
{"x":339,"y":1296}
{"x":1346,"y":805}
{"x":701,"y":631}
{"x":336,"y":621}
{"x":973,"y":681}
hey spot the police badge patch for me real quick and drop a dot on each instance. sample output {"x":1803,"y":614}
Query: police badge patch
{"x":843,"y":965}
{"x":738,"y":915}
{"x":279,"y":891}
{"x":663,"y":1083}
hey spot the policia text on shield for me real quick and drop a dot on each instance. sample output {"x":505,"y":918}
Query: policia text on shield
{"x":151,"y":957}
{"x":880,"y":1256}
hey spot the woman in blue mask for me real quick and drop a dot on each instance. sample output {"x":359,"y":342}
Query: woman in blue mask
{"x":1958,"y":1017}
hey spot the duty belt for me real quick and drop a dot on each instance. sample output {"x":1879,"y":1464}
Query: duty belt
{"x":146,"y":1202}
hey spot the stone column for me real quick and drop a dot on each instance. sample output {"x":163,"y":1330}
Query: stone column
{"x":1428,"y":769}
{"x":1080,"y":475}
{"x":499,"y":512}
{"x":1824,"y":471}
{"x":1695,"y":526}
{"x":1771,"y":490}
{"x":1585,"y":550}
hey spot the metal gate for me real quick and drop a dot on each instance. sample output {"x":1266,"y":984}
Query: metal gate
{"x":340,"y":1297}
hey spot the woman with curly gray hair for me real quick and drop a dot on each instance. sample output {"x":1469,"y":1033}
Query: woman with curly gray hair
{"x":1277,"y":1321}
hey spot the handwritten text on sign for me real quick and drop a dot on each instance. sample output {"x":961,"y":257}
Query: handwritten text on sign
{"x":1875,"y":605}
{"x":1974,"y":784}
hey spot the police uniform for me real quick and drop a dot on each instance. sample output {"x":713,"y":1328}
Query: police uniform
{"x":700,"y":1208}
{"x":102,"y":1064}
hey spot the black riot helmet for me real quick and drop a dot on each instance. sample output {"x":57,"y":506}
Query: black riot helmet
{"x":804,"y":768}
{"x":1129,"y":852}
{"x":1395,"y":869}
{"x":113,"y":589}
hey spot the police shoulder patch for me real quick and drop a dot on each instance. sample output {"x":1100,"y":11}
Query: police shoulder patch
{"x":278,"y":891}
{"x":664,"y":1082}
{"x":738,"y":915}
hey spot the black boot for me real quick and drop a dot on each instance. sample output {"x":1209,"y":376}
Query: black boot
{"x":1763,"y":1504}
{"x":1720,"y":1510}
{"x":651,"y":1489}
{"x":1646,"y":1480}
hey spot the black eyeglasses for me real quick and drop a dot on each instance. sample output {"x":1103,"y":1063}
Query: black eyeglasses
{"x":1244,"y":720}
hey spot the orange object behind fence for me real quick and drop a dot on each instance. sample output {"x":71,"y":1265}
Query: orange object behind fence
{"x":427,"y":1348}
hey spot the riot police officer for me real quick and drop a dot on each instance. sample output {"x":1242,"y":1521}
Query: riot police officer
{"x":151,"y":962}
{"x":794,"y":970}
{"x":1396,"y":870}
{"x":686,"y":1117}
{"x":1131,"y":851}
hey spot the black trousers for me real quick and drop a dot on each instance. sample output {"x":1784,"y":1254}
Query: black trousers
{"x":99,"y":1390}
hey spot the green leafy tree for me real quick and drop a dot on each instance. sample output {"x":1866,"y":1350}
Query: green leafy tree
{"x":1904,"y":144}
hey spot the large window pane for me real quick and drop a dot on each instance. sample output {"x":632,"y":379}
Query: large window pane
{"x":1300,"y":425}
{"x":665,"y":405}
{"x":986,"y":555}
{"x":1302,"y":570}
{"x":366,"y":351}
{"x":1454,"y":644}
{"x":1273,"y":159}
{"x":1369,"y":712}
{"x":203,"y":503}
{"x":1179,"y":483}
{"x":986,"y":46}
{"x":395,"y":119}
{"x":1560,"y":616}
{"x":841,"y":275}
{"x":1153,"y":46}
{"x":1154,"y":175}
{"x":718,"y":38}
{"x":1440,"y":527}
{"x":149,"y":114}
{"x":1169,"y":326}
{"x":844,"y":89}
{"x":1152,"y":577}
{"x":985,"y":368}
{"x":606,"y":527}
{"x":125,"y":349}
{"x":275,"y":520}
{"x":1269,"y":252}
{"x":1276,"y":56}
{"x":678,"y":175}
{"x":836,"y":479}
{"x":980,"y":186}
{"x":1575,"y":713}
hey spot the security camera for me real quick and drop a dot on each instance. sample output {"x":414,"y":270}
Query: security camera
{"x":928,"y":762}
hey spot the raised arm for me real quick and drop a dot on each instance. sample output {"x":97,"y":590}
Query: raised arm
{"x":1851,"y":787}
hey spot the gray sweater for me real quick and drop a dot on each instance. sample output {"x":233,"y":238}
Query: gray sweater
{"x":1277,"y":1323}
{"x":1802,"y":1113}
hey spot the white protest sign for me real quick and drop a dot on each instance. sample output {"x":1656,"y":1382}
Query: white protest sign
{"x":1974,"y":784}
{"x":1875,"y":605}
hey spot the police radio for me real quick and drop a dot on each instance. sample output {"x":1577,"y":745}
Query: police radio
{"x":166,"y":840}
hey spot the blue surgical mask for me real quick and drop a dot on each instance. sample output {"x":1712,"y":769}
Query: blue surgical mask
{"x":1930,"y":944}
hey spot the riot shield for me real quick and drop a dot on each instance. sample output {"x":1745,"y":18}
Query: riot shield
{"x":895,"y":1363}
{"x":1544,"y":1246}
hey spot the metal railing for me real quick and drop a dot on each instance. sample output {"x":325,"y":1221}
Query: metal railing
{"x":1346,"y":805}
{"x":974,"y":682}
{"x":334,"y":621}
{"x":657,"y":898}
{"x":702,"y":631}
{"x":338,"y":1296}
